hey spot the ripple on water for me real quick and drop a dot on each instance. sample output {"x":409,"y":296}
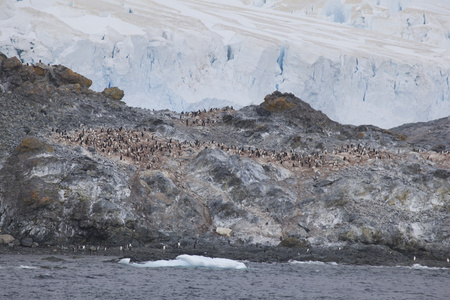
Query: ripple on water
{"x":44,"y":276}
{"x":91,"y":277}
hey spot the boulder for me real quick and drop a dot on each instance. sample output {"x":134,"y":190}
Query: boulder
{"x":6,"y":239}
{"x":2,"y":58}
{"x":224,"y":231}
{"x":40,"y":70}
{"x":64,"y":75}
{"x":114,"y":93}
{"x":274,"y":103}
{"x":11,"y":64}
{"x":27,"y":73}
{"x":27,"y":242}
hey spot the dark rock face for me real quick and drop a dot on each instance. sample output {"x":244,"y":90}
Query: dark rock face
{"x":433,"y":135}
{"x":79,"y":167}
{"x":10,"y":64}
{"x":27,"y":242}
{"x":82,"y":200}
{"x":293,"y":242}
{"x":301,"y":113}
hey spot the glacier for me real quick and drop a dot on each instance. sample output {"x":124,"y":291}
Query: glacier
{"x":376,"y":62}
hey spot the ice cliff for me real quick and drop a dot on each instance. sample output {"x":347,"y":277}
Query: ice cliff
{"x":361,"y":62}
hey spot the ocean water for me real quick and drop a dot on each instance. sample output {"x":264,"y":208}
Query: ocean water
{"x":101,"y":277}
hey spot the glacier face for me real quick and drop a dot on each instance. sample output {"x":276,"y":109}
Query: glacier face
{"x":361,"y":62}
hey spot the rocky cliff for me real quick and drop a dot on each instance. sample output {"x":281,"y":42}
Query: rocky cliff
{"x":81,"y":168}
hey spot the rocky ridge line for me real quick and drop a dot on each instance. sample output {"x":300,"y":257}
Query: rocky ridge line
{"x":282,"y":176}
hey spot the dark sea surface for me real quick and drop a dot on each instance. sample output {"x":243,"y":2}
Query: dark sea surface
{"x":102,"y":277}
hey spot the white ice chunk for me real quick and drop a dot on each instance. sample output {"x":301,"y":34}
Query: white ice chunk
{"x":124,"y":261}
{"x":201,"y":261}
{"x":185,"y":260}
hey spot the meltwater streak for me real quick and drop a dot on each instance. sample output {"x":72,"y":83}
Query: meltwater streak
{"x":185,"y":260}
{"x":101,"y":277}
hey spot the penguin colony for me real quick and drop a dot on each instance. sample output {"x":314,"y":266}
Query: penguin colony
{"x":147,"y":150}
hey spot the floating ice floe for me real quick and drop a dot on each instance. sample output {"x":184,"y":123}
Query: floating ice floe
{"x":189,"y":261}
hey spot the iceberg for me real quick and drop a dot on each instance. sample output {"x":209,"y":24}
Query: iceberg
{"x":185,"y":260}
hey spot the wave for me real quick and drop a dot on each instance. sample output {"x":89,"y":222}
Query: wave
{"x":420,"y":267}
{"x":27,"y":267}
{"x":415,"y":266}
{"x":310,"y":262}
{"x":185,"y":260}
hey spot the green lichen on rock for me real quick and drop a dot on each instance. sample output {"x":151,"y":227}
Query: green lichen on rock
{"x":402,"y":197}
{"x":371,"y":236}
{"x":292,"y":242}
{"x":67,"y":76}
{"x":276,"y":104}
{"x":33,"y":145}
{"x":114,"y":93}
{"x":364,"y":235}
{"x":349,"y":236}
{"x":401,"y":137}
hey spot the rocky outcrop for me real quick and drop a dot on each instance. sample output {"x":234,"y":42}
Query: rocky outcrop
{"x":62,"y":76}
{"x":299,"y":112}
{"x":433,"y":135}
{"x":6,"y":239}
{"x":39,"y":78}
{"x":10,"y":64}
{"x":114,"y":92}
{"x":81,"y":199}
{"x":80,"y":168}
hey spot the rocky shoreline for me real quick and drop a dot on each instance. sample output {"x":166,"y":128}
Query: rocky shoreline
{"x":354,"y":254}
{"x":269,"y":182}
